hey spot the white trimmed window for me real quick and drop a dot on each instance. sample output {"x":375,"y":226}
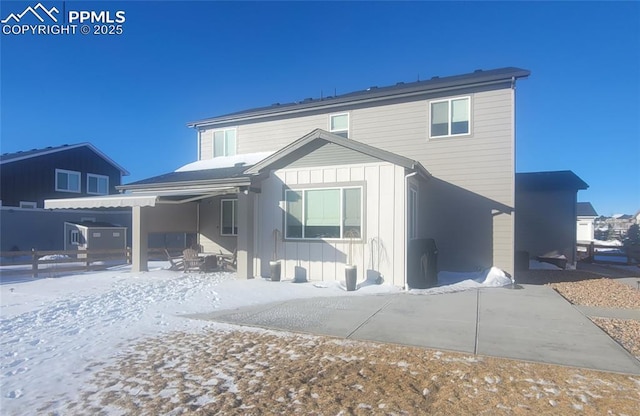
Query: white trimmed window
{"x":323,"y":213}
{"x":67,"y":180}
{"x":450,"y":117}
{"x":74,"y":237}
{"x":28,"y":204}
{"x":413,"y":213}
{"x":97,"y":184}
{"x":339,"y":124}
{"x":229,"y":217}
{"x":224,"y":142}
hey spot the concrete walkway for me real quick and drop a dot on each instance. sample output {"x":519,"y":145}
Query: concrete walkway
{"x":532,"y":324}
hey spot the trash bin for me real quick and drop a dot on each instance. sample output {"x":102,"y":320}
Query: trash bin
{"x":423,"y":263}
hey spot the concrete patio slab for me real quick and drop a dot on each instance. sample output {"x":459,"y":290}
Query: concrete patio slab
{"x":533,"y":324}
{"x":593,"y":311}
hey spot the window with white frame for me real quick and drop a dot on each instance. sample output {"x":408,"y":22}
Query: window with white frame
{"x":323,"y":213}
{"x":450,"y":117}
{"x":413,"y":213}
{"x":224,"y":142}
{"x":339,"y":124}
{"x":74,"y":237}
{"x":228,"y":217}
{"x":97,"y":184}
{"x":67,"y":180}
{"x":28,"y":204}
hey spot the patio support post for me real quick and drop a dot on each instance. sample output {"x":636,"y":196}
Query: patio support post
{"x":140,"y":233}
{"x":245,"y":235}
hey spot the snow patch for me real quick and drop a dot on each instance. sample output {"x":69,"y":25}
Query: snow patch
{"x":247,"y":159}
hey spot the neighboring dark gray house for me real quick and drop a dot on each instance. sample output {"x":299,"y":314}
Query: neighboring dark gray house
{"x":546,"y":212}
{"x":27,"y":178}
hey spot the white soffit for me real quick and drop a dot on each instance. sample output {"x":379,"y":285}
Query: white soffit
{"x":106,"y":201}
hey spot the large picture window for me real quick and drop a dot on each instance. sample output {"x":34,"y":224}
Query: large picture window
{"x":450,"y":117}
{"x":97,"y":184}
{"x":224,"y":142}
{"x":228,"y":217}
{"x":324,"y":213}
{"x":67,"y":180}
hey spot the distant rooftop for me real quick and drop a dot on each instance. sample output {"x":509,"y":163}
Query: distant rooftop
{"x":28,"y":154}
{"x":585,"y":209}
{"x":554,"y":180}
{"x":375,"y":93}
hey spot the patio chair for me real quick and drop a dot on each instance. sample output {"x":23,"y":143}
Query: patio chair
{"x":191,"y":260}
{"x":229,"y":259}
{"x":177,"y":263}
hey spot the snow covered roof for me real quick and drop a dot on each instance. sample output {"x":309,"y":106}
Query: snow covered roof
{"x":227,"y":169}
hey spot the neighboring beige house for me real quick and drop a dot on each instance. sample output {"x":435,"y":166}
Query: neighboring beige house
{"x":389,"y":165}
{"x":586,"y":216}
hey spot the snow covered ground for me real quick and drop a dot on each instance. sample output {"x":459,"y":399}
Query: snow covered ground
{"x":56,"y":333}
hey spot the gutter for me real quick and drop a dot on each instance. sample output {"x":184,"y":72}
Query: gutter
{"x":184,"y":185}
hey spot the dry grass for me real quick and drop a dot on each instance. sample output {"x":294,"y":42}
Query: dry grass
{"x":262,"y":372}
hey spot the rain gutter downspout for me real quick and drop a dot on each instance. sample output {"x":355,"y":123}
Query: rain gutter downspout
{"x":406,"y":227}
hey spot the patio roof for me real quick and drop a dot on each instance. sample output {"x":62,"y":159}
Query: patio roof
{"x":140,"y":199}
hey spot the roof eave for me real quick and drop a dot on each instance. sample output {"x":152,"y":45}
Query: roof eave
{"x":185,"y":185}
{"x":364,"y":98}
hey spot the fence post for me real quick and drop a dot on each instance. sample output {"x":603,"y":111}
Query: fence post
{"x":34,"y":263}
{"x":127,"y":254}
{"x":592,"y":252}
{"x":87,"y":261}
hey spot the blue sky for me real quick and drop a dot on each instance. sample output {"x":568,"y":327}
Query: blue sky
{"x":132,"y":94}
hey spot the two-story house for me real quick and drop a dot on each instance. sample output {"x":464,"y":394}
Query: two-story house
{"x":28,"y":178}
{"x":366,"y":174}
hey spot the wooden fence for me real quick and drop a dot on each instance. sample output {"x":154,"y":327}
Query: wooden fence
{"x":61,"y":261}
{"x":607,"y":254}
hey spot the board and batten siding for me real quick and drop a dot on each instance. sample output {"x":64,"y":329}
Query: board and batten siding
{"x":482,"y":162}
{"x":383,"y":223}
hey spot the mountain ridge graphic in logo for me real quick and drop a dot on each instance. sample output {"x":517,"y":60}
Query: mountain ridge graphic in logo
{"x":17,"y":17}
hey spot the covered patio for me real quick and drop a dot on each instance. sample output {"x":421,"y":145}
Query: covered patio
{"x":215,"y":204}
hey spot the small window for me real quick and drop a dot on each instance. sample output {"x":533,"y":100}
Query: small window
{"x":97,"y":184}
{"x":224,"y":142}
{"x":323,"y":213}
{"x":450,"y":117}
{"x":74,"y":237}
{"x":413,"y":213}
{"x":96,"y":235}
{"x":228,"y":217}
{"x":67,"y":180}
{"x":28,"y":204}
{"x":339,"y":124}
{"x":116,"y":234}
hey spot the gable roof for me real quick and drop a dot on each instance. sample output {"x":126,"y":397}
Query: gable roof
{"x":545,"y":181}
{"x":28,"y":154}
{"x":400,"y":89}
{"x":319,"y":134}
{"x":585,"y":209}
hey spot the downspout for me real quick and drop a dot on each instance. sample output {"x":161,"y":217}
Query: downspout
{"x":406,"y":227}
{"x":198,"y":224}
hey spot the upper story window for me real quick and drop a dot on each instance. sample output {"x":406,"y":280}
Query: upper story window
{"x":229,"y":217}
{"x":97,"y":184}
{"x":224,"y":142}
{"x":67,"y":180}
{"x":339,"y":124}
{"x":323,"y":213}
{"x":450,"y":117}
